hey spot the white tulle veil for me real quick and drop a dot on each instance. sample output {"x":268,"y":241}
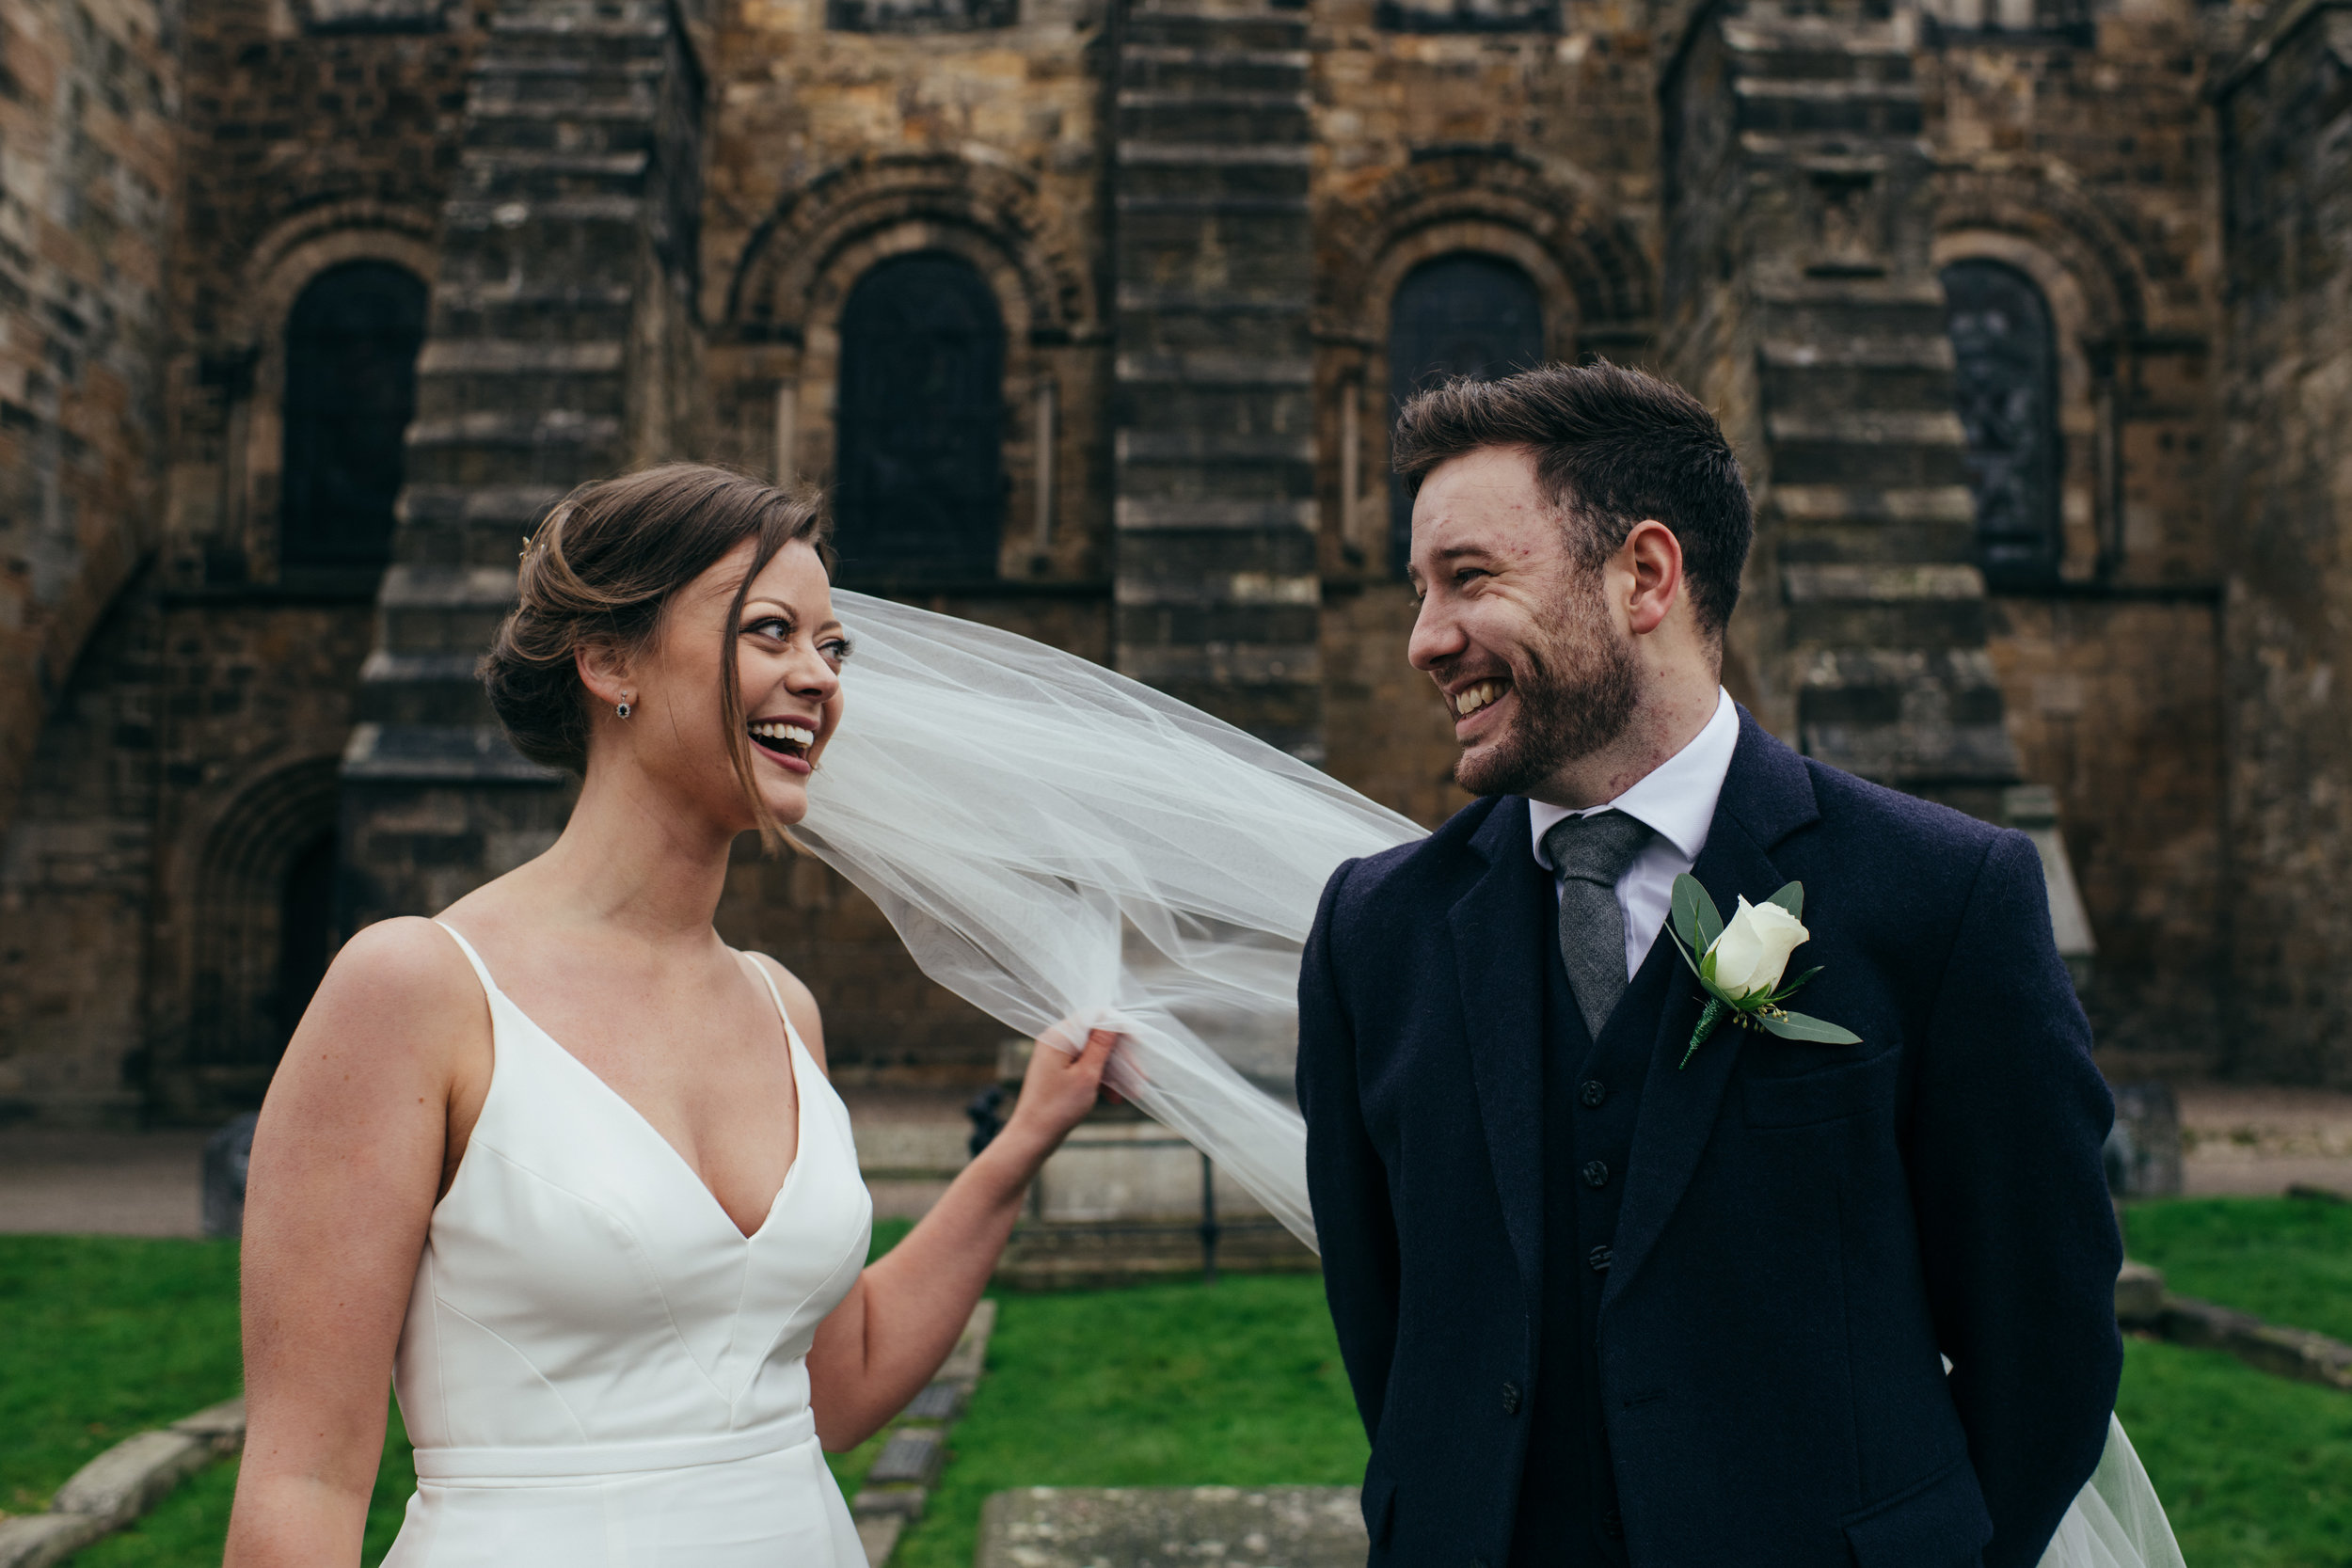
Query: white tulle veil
{"x":1058,"y":844}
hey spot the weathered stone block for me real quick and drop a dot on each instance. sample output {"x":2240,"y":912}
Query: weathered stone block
{"x":1280,"y":1527}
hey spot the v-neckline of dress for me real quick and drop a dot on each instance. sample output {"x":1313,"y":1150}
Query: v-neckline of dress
{"x":799,"y":1103}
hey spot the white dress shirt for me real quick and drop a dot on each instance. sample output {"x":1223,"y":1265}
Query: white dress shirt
{"x":1676,"y":800}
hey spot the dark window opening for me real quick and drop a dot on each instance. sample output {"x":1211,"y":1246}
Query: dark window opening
{"x":2006,"y":390}
{"x":1467,"y":315}
{"x":350,"y":389}
{"x":919,"y":486}
{"x":305,"y":930}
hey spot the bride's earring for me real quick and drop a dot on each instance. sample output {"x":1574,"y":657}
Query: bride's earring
{"x":625,"y":708}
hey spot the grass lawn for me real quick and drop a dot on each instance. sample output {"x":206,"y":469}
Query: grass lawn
{"x":1237,"y":1383}
{"x":105,"y":1336}
{"x":1181,"y":1384}
{"x":2287,"y":1259}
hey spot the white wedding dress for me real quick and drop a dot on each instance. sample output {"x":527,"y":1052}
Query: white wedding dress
{"x":599,"y":1368}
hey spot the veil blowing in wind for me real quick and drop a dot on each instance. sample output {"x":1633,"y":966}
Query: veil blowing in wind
{"x":1058,"y":844}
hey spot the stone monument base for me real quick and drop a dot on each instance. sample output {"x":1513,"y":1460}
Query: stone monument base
{"x":1172,"y":1527}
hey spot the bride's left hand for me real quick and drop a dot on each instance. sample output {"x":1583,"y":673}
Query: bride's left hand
{"x":1059,"y":1088}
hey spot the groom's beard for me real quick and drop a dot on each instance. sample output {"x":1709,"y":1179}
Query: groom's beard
{"x":1576,"y":692}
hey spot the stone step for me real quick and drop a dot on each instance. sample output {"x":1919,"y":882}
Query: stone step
{"x":1817,"y":48}
{"x":599,"y":214}
{"x":1883,"y":544}
{"x":1252,"y":32}
{"x":479,"y":308}
{"x":1916,"y":755}
{"x":1800,"y":108}
{"x":1273,"y":333}
{"x":422,"y":688}
{"x":1216,"y":409}
{"x":1872,"y":685}
{"x":1906,"y":448}
{"x":1212,"y":367}
{"x":540,"y":174}
{"x":1231,"y":118}
{"x":1144,"y":151}
{"x":1885,"y":624}
{"x":501,"y":506}
{"x":1296,"y":207}
{"x":1883,"y":386}
{"x":1871,"y":505}
{"x":439,"y":754}
{"x":497,"y":62}
{"x":509,"y":357}
{"x":1829,"y":582}
{"x":550,"y":427}
{"x":1229,"y":479}
{"x":1168,"y":648}
{"x":497,"y":112}
{"x":1213,"y":448}
{"x":1223,"y":514}
{"x":450,"y":610}
{"x":1148,"y":66}
{"x":1919,"y":350}
{"x":1172,"y":557}
{"x":1189,"y":588}
{"x":453,"y":396}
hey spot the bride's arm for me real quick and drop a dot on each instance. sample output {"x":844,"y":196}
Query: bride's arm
{"x":347,"y":1164}
{"x":896,"y":1326}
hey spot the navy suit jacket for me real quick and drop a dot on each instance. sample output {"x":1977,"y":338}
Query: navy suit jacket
{"x":1805,"y":1230}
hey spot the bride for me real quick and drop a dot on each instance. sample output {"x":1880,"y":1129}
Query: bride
{"x":563,"y":1168}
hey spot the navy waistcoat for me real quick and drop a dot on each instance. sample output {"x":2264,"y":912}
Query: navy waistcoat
{"x":1568,"y":1515}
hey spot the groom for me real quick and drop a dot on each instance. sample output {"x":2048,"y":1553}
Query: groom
{"x":1602,"y":1307}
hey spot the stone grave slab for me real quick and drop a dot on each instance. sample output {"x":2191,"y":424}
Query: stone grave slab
{"x":1172,"y":1527}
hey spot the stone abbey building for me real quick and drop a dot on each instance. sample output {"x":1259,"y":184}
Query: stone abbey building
{"x":2032,"y":320}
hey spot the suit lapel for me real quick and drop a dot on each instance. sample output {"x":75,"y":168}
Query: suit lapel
{"x":1767,"y":794}
{"x":1499,"y":948}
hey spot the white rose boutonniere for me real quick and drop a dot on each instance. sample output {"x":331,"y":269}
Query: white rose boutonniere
{"x":1740,"y":964}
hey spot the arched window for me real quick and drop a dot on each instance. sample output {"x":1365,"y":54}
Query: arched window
{"x":2007,"y":394}
{"x":919,"y":467}
{"x":351,"y":387}
{"x":1457,"y":315}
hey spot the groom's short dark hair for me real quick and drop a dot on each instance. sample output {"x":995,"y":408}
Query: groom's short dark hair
{"x":1611,"y":447}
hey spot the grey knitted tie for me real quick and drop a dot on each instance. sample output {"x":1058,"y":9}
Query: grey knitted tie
{"x":1591,"y":853}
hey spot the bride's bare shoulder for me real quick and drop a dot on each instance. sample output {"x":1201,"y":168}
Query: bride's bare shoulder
{"x":406,"y":973}
{"x":800,"y":1005}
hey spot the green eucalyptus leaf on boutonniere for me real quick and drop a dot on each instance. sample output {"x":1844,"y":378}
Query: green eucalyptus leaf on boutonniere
{"x":1695,"y":919}
{"x":1797,"y":1026}
{"x":1740,"y":964}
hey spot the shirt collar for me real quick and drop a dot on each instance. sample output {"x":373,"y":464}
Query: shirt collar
{"x":1676,"y":798}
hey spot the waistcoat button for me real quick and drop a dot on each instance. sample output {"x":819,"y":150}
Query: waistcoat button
{"x":1596,"y":1174}
{"x":1510,"y":1398}
{"x":1594,"y":1091}
{"x":1599,"y":1258}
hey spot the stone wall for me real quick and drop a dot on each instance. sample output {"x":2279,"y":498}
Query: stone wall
{"x":318,"y":132}
{"x":2083,"y":159}
{"x":2286,"y":507}
{"x":89,"y":103}
{"x":1768,"y":227}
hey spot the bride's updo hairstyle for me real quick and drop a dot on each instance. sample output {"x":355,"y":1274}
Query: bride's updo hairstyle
{"x":601,"y":570}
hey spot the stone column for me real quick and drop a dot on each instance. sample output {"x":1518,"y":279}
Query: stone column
{"x":1218,"y":593}
{"x":1802,"y":304}
{"x":558,"y":352}
{"x":2285,"y":500}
